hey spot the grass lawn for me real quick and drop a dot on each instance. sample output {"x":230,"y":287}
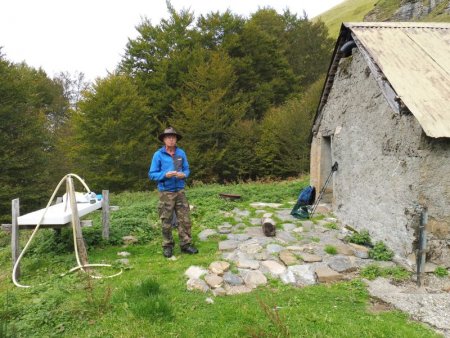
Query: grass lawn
{"x":150,"y":298}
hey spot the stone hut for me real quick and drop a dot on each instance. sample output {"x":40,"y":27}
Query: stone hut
{"x":384,"y":116}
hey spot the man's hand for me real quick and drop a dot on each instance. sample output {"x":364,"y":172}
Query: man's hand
{"x":180,"y":175}
{"x":170,"y":174}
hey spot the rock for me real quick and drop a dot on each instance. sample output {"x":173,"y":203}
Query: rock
{"x":260,"y":211}
{"x":430,"y":267}
{"x":304,"y":274}
{"x":241,"y":213}
{"x":239,"y":226}
{"x":344,"y":249}
{"x":285,"y":215}
{"x":359,"y":250}
{"x":123,"y":254}
{"x":247,"y":264}
{"x":195,"y":272}
{"x":330,"y":220}
{"x":274,"y":248}
{"x":285,"y":237}
{"x":123,"y":261}
{"x":250,"y":246}
{"x":219,"y":267}
{"x":197,"y":284}
{"x":288,"y":258}
{"x":238,"y":237}
{"x":289,"y":226}
{"x":272,"y":267}
{"x":308,"y":225}
{"x":203,"y":236}
{"x":342,"y":264}
{"x":267,"y":215}
{"x":254,"y":232}
{"x":254,"y":278}
{"x":218,"y":292}
{"x":262,"y":256}
{"x":238,"y":289}
{"x":232,"y":279}
{"x":209,"y":300}
{"x":213,"y":280}
{"x":257,"y":205}
{"x":255,"y":221}
{"x":325,"y":274}
{"x":298,"y":230}
{"x":224,"y":230}
{"x":288,"y":277}
{"x":228,"y":245}
{"x":129,"y":240}
{"x":310,"y":258}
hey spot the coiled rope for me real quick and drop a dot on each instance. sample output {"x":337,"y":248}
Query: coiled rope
{"x":80,"y":265}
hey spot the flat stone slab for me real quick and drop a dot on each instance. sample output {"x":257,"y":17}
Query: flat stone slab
{"x":285,"y":215}
{"x":285,"y":237}
{"x":228,"y":245}
{"x":274,"y":248}
{"x":203,"y":235}
{"x":326,"y":275}
{"x":238,"y":289}
{"x":247,"y":264}
{"x":241,"y":213}
{"x":342,"y":264}
{"x":310,"y":258}
{"x":232,"y":279}
{"x":219,"y":267}
{"x":213,"y":280}
{"x":304,"y":274}
{"x":197,"y":284}
{"x":288,"y":258}
{"x":258,"y":205}
{"x":195,"y":272}
{"x":255,"y":278}
{"x":359,"y":250}
{"x":289,"y":226}
{"x":272,"y":267}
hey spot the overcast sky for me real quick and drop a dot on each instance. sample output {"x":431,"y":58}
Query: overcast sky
{"x":90,"y":36}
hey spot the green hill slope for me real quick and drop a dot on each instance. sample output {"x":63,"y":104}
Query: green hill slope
{"x":377,"y":10}
{"x":350,"y":10}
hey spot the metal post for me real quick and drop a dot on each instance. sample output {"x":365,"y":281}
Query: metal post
{"x":105,"y":214}
{"x":421,"y":253}
{"x":15,"y":246}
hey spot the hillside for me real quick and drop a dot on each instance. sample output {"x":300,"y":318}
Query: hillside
{"x":385,"y":10}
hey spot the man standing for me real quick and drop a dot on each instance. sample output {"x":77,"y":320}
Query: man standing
{"x":169,"y":168}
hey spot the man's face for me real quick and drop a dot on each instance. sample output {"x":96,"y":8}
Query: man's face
{"x":170,"y":140}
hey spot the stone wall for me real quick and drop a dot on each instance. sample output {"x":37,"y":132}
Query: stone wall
{"x":383,"y":158}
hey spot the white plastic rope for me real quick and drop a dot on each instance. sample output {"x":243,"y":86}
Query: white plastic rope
{"x":79,"y":266}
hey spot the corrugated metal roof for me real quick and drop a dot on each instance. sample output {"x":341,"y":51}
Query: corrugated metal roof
{"x":415,"y":59}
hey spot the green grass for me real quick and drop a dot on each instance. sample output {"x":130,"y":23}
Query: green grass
{"x":150,"y":298}
{"x":347,"y":11}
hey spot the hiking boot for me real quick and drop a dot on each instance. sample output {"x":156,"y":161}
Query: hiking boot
{"x":189,"y":249}
{"x":167,"y":251}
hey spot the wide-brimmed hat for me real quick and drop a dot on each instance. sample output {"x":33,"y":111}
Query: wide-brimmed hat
{"x":169,"y":131}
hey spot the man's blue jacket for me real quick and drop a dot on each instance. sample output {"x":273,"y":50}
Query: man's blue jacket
{"x":162,"y":163}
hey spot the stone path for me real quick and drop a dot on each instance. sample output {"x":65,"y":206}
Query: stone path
{"x":297,"y":255}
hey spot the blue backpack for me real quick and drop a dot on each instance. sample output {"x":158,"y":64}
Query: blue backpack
{"x":306,"y":197}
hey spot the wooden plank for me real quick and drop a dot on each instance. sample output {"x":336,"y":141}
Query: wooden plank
{"x":15,"y":246}
{"x":105,"y":214}
{"x":8,"y":227}
{"x":82,"y":252}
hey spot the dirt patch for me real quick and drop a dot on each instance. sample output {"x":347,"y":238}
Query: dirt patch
{"x":377,"y":306}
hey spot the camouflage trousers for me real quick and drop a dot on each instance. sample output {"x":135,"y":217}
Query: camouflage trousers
{"x":170,"y":202}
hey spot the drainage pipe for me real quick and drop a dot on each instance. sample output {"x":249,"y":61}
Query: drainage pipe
{"x":421,"y":252}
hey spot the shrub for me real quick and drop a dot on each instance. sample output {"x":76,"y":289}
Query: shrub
{"x":361,"y":238}
{"x":441,"y":271}
{"x":380,"y":252}
{"x":373,"y":271}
